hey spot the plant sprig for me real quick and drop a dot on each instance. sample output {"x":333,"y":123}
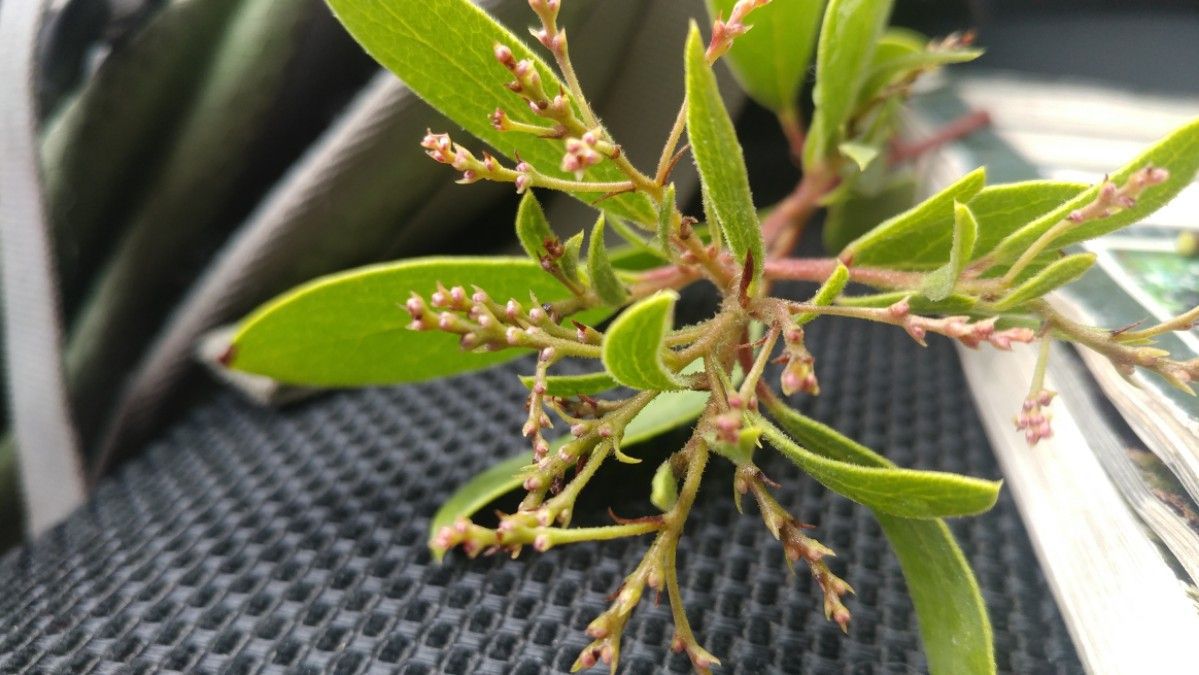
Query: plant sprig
{"x":971,"y":263}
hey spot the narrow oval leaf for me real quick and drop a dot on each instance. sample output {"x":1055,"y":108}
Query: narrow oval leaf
{"x":532,"y":227}
{"x":828,"y":292}
{"x":634,"y":345}
{"x":897,"y":241}
{"x":443,"y":51}
{"x":939,"y":283}
{"x":603,"y":277}
{"x":1057,"y":274}
{"x":771,"y":60}
{"x":955,"y":303}
{"x":667,"y":411}
{"x":350,"y":329}
{"x":719,"y":159}
{"x":573,"y":385}
{"x":848,"y":38}
{"x":954,"y":626}
{"x":901,"y":492}
{"x":664,"y":488}
{"x":1178,"y":153}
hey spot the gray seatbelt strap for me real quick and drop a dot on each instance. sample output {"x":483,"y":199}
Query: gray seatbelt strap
{"x":47,"y":445}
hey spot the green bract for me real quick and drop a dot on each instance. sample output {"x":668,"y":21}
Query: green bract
{"x":634,"y":346}
{"x":939,"y":284}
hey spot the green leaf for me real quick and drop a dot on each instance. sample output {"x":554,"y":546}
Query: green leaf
{"x":573,"y":385}
{"x":1003,"y":209}
{"x":350,"y":329}
{"x":847,"y":41}
{"x":897,"y":241}
{"x":664,"y":488}
{"x":570,"y":256}
{"x":1178,"y":152}
{"x":667,"y":411}
{"x":1057,"y":274}
{"x":861,"y":211}
{"x":862,"y":154}
{"x":828,"y":292}
{"x":443,"y":51}
{"x":900,"y":492}
{"x":939,"y":283}
{"x":532,"y":227}
{"x":665,"y":216}
{"x":771,"y":60}
{"x":603,"y":277}
{"x":634,"y":346}
{"x":718,"y":157}
{"x":953,"y":619}
{"x":955,"y":303}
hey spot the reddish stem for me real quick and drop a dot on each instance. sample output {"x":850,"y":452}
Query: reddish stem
{"x":958,"y":128}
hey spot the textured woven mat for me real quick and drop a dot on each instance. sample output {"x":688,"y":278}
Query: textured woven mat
{"x":251,"y":541}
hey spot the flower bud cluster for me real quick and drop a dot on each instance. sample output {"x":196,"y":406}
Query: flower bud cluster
{"x":1112,"y":198}
{"x":798,"y":374}
{"x":483,"y":324}
{"x":724,"y":32}
{"x":799,"y":547}
{"x":528,"y":84}
{"x":960,"y":328}
{"x":549,"y":35}
{"x":443,"y":149}
{"x":607,"y":628}
{"x":1033,"y":419}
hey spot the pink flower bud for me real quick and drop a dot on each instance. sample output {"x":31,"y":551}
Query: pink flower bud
{"x":415,"y":306}
{"x":537,"y":315}
{"x":504,"y":55}
{"x":542,"y":543}
{"x":587,"y":659}
{"x":900,"y":309}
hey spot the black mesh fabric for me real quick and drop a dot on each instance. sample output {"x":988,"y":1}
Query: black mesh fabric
{"x":253,"y":541}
